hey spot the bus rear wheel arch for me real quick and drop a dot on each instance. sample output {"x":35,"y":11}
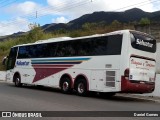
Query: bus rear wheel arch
{"x":81,"y":86}
{"x":66,"y":84}
{"x":17,"y":80}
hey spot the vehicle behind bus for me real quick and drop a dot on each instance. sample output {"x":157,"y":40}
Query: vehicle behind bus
{"x":120,"y":61}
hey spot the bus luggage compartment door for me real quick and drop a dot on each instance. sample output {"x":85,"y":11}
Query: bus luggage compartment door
{"x":105,"y":80}
{"x":97,"y":80}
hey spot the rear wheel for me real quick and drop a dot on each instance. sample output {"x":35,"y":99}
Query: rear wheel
{"x":17,"y":81}
{"x":81,"y":87}
{"x":65,"y":85}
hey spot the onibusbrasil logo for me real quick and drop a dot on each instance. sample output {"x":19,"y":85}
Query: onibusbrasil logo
{"x":21,"y":114}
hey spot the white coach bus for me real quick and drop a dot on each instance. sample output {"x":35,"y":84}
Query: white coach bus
{"x":120,"y":61}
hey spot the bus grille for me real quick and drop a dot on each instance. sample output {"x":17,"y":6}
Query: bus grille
{"x":110,"y":78}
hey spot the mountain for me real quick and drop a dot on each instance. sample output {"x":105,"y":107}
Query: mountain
{"x":53,"y":26}
{"x":127,"y":16}
{"x":14,"y":35}
{"x":123,"y":17}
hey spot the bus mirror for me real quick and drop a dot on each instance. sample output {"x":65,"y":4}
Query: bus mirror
{"x":4,"y":61}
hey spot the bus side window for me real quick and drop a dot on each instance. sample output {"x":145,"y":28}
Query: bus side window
{"x":23,"y":52}
{"x":51,"y":48}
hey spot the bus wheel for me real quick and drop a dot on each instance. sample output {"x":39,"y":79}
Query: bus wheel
{"x":81,"y":87}
{"x":65,"y":85}
{"x":17,"y":81}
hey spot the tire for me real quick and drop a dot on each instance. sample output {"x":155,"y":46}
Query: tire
{"x":81,"y":87}
{"x":65,"y":85}
{"x":17,"y":81}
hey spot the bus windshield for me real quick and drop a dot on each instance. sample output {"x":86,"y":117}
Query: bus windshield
{"x":143,"y":42}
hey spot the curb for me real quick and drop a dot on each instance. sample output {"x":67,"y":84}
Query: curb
{"x":150,"y":98}
{"x":2,"y":81}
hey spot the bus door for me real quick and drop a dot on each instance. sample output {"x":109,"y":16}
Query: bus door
{"x":12,"y":58}
{"x":11,"y":62}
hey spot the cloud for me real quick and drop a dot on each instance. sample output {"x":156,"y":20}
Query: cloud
{"x":27,"y":7}
{"x":24,"y":8}
{"x":77,"y":8}
{"x":60,"y":20}
{"x":9,"y":27}
{"x":57,"y":3}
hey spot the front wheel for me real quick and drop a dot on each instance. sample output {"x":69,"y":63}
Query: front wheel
{"x":17,"y":81}
{"x":81,"y":87}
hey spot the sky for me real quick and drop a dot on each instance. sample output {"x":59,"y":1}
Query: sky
{"x":16,"y":15}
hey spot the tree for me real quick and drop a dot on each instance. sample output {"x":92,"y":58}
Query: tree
{"x":144,"y":21}
{"x":36,"y":33}
{"x":115,"y":23}
{"x":89,"y":26}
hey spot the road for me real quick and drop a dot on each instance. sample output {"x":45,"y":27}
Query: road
{"x":31,"y":98}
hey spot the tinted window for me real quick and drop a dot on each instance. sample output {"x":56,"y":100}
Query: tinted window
{"x":66,"y":48}
{"x":37,"y":51}
{"x":23,"y":52}
{"x":143,"y":42}
{"x":105,"y":45}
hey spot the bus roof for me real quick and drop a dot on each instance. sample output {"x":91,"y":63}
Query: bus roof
{"x":58,"y":39}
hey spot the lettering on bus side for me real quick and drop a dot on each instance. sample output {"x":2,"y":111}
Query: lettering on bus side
{"x":20,"y":63}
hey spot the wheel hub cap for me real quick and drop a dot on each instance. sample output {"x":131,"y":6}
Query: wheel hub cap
{"x":65,"y":86}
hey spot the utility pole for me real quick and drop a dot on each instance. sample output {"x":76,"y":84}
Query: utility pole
{"x":36,"y":14}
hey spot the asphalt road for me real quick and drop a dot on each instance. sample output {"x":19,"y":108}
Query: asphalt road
{"x":31,"y":98}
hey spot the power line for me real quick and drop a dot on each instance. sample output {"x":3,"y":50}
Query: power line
{"x":8,"y":3}
{"x":76,"y":5}
{"x":2,"y":1}
{"x":48,"y":9}
{"x":139,"y":4}
{"x":55,"y":10}
{"x":63,"y":9}
{"x":41,"y":10}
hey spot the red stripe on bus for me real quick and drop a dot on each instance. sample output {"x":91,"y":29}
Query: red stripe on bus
{"x":42,"y":73}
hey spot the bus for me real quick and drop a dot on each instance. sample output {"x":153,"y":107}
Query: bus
{"x":117,"y":62}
